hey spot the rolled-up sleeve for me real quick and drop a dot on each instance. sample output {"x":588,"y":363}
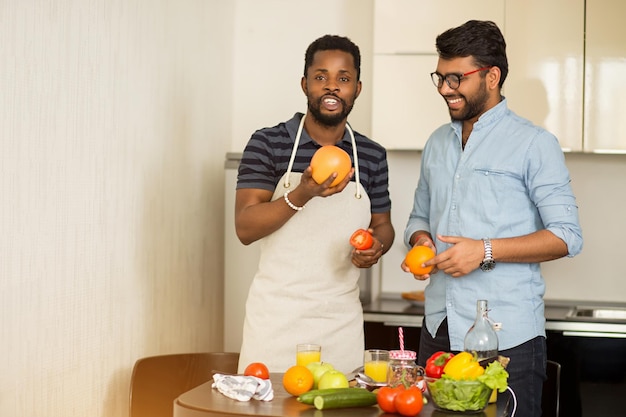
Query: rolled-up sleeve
{"x":550,"y":188}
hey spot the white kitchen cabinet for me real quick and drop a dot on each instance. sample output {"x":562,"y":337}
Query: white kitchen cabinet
{"x":605,"y":77}
{"x":567,"y":62}
{"x":406,"y":106}
{"x":545,"y":49}
{"x":411,"y":26}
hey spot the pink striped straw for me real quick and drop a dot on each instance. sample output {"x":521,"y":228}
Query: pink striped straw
{"x":401,"y":333}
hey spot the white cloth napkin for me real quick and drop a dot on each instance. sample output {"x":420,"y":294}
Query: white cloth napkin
{"x":243,"y":388}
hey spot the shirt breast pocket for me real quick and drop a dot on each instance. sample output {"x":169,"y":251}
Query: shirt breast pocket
{"x":500,"y":191}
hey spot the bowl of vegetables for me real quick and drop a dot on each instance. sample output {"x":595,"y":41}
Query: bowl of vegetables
{"x":451,"y":395}
{"x":464,"y":384}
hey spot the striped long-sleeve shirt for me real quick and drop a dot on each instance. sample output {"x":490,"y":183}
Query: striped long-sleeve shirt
{"x":266,"y":158}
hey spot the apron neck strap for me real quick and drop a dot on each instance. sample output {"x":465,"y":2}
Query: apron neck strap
{"x":354,"y":156}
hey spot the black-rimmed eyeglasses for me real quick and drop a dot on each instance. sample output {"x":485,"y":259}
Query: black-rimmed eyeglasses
{"x":453,"y":80}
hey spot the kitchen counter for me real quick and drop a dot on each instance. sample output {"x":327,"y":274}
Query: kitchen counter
{"x":560,"y":315}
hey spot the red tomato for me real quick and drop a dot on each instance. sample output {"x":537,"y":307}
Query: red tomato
{"x":386,"y":396}
{"x":409,"y":402}
{"x":362,"y":239}
{"x":257,"y":369}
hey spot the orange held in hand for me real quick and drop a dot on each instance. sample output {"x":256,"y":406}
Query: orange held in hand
{"x":297,"y":380}
{"x":329,"y":159}
{"x":416,"y":257}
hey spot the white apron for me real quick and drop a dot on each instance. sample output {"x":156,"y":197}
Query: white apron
{"x":306,"y":288}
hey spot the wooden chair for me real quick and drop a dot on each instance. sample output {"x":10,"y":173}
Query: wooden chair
{"x":550,"y":399}
{"x":158,"y":380}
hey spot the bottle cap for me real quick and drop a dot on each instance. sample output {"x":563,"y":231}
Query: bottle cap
{"x":402,"y":354}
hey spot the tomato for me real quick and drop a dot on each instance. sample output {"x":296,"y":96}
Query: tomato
{"x":409,"y":402}
{"x":362,"y":239}
{"x":257,"y":369}
{"x":386,"y":396}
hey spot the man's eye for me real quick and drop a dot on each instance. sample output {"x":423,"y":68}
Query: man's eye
{"x":320,"y":78}
{"x":344,"y":79}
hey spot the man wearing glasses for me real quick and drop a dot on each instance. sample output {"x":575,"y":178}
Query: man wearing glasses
{"x":494,"y":200}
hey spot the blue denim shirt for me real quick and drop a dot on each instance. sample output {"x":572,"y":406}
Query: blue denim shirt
{"x":511,"y":180}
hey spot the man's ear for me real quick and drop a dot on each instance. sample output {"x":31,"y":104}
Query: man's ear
{"x":304,"y":87}
{"x":493,"y":77}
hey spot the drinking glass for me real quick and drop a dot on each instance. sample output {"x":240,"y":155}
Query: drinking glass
{"x":375,"y":364}
{"x":307,"y":353}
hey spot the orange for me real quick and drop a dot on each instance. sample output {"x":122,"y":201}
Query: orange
{"x":416,"y":257}
{"x":329,"y":159}
{"x":298,"y":380}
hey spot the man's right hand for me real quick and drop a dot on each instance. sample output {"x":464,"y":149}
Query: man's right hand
{"x":310,"y":188}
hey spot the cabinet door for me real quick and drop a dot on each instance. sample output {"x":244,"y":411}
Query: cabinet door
{"x":605,"y":77}
{"x":406,"y":106}
{"x":381,"y":336}
{"x":545,"y":46}
{"x":410,"y":26}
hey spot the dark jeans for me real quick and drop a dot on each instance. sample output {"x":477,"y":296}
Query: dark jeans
{"x":527,"y":369}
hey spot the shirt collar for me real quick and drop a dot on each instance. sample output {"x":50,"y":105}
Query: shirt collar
{"x":487,"y":119}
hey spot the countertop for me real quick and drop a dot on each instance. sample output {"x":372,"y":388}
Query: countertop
{"x":393,"y":310}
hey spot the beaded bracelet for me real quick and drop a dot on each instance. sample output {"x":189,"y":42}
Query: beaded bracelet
{"x":290,"y":204}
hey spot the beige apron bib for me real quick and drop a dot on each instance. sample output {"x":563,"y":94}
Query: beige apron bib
{"x":306,"y":288}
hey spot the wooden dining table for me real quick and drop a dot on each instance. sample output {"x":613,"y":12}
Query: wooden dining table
{"x":204,"y":401}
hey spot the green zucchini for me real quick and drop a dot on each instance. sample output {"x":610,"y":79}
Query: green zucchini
{"x":356,"y":397}
{"x":308,"y":397}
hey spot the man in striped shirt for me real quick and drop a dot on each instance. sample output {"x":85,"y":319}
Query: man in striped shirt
{"x":306,"y":287}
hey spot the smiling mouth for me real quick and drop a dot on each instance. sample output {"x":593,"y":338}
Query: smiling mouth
{"x":454,"y":103}
{"x":330,"y":102}
{"x":454,"y":100}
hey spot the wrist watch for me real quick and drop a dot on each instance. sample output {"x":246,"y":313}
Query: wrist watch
{"x":488,"y":263}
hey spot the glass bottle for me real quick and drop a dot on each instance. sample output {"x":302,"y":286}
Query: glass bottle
{"x":481,"y":339}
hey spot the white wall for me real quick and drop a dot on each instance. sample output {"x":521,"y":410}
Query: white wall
{"x":597,"y":273}
{"x":271,"y":37}
{"x":112,"y":123}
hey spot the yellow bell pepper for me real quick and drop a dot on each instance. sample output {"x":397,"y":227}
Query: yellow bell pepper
{"x":463,"y":366}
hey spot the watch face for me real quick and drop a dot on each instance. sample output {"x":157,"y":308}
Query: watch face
{"x":487,"y":265}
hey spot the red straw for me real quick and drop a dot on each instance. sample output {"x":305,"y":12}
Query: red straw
{"x":401,"y":338}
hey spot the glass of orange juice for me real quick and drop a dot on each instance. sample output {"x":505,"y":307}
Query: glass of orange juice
{"x":307,"y":353}
{"x":375,"y":364}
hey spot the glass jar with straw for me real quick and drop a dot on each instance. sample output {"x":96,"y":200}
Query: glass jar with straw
{"x":402,"y":367}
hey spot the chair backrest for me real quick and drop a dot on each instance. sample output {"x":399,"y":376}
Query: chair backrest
{"x":550,"y":399}
{"x":158,"y":380}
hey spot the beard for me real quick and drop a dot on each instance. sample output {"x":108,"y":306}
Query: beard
{"x":474,"y":106}
{"x":330,"y":120}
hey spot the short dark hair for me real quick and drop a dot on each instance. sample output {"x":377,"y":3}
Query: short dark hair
{"x":479,"y":39}
{"x":330,"y":43}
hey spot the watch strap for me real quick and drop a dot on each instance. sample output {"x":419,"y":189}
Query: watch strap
{"x":488,"y":262}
